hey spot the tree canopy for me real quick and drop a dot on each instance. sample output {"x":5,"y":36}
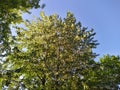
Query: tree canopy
{"x":11,"y":12}
{"x":51,"y":53}
{"x":108,"y":72}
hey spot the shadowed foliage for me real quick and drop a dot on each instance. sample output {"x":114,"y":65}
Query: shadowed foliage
{"x":11,"y":13}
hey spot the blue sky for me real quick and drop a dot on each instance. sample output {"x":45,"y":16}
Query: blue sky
{"x":101,"y":15}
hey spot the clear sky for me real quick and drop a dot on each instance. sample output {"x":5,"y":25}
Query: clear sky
{"x":101,"y":15}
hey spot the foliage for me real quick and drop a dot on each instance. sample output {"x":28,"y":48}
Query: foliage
{"x":10,"y":12}
{"x":105,"y":74}
{"x":51,"y":53}
{"x":109,"y":71}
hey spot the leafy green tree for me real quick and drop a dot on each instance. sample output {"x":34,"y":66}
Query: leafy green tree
{"x":11,"y":12}
{"x":110,"y":69}
{"x":105,"y":74}
{"x":51,"y":53}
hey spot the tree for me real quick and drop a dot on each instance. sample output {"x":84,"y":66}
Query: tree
{"x":51,"y":53}
{"x":11,"y":12}
{"x":109,"y":70}
{"x":105,"y":74}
